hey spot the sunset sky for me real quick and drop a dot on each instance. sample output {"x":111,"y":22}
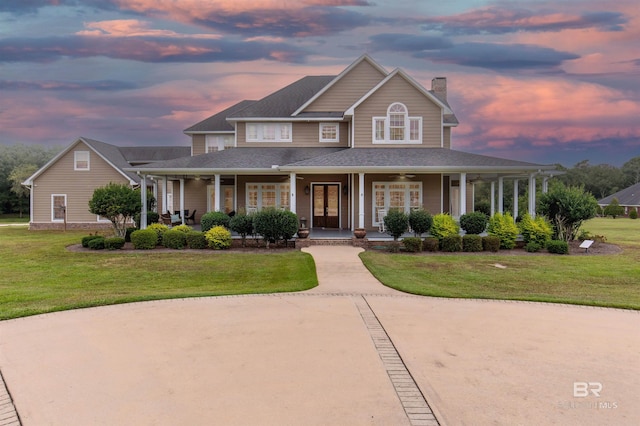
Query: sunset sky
{"x":546,"y":82}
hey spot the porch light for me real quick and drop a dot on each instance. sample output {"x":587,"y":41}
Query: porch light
{"x":307,"y":190}
{"x":197,"y":177}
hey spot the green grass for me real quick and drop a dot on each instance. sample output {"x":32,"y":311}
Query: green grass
{"x":14,"y":218}
{"x":38,"y":274}
{"x":603,"y":280}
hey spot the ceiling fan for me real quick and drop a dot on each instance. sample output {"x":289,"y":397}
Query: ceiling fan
{"x":403,"y":176}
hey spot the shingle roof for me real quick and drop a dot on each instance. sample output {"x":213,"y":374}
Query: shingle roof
{"x":218,"y":122}
{"x":149,"y":154}
{"x":112,"y":154}
{"x":627,"y":197}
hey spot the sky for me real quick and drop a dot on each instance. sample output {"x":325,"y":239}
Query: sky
{"x":540,"y":81}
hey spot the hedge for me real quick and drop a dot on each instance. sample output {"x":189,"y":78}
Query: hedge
{"x":144,"y":239}
{"x":452,"y":243}
{"x":174,"y":239}
{"x":218,"y":237}
{"x":412,"y":244}
{"x":97,"y":243}
{"x":196,"y":240}
{"x":430,"y":244}
{"x":114,"y":243}
{"x":472,"y":242}
{"x":213,"y":219}
{"x":558,"y":247}
{"x":491,"y":243}
{"x":503,"y":227}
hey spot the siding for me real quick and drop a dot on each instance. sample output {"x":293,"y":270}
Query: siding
{"x":398,"y":90}
{"x":305,"y":135}
{"x":198,"y":144}
{"x":447,"y":137}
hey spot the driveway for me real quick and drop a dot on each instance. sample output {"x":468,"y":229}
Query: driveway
{"x":349,"y":352}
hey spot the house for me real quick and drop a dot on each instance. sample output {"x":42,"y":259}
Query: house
{"x":339,"y":151}
{"x":629,"y":198}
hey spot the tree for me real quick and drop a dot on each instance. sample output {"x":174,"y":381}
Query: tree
{"x":614,"y":209}
{"x":420,"y":221}
{"x":566,"y":208}
{"x":18,"y":175}
{"x":396,"y":223}
{"x":117,"y":202}
{"x":631,"y":171}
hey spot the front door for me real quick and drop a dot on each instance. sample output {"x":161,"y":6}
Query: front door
{"x":326,"y":210}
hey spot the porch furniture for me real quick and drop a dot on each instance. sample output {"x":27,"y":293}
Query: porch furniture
{"x":165,"y":219}
{"x":176,"y":220}
{"x":191,"y":218}
{"x":381,"y":214}
{"x":252,"y":210}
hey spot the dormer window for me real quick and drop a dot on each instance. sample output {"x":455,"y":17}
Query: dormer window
{"x":397,"y":126}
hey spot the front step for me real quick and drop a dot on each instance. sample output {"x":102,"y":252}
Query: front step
{"x":306,"y":242}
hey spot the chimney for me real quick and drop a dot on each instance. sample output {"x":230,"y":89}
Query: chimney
{"x":439,"y":87}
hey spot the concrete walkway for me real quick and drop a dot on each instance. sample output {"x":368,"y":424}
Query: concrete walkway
{"x":345,"y":353}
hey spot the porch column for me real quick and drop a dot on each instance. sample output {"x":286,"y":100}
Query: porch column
{"x":532,"y":195}
{"x":292,"y":192}
{"x":165,"y":185}
{"x":463,"y":193}
{"x":501,"y":195}
{"x":493,"y":198}
{"x":545,"y":185}
{"x":361,"y":200}
{"x":155,"y":192}
{"x":143,"y":195}
{"x":182,"y":199}
{"x":515,"y":199}
{"x":216,"y":184}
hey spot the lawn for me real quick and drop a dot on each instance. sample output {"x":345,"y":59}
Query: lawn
{"x":38,"y":274}
{"x":604,"y":280}
{"x":14,"y":218}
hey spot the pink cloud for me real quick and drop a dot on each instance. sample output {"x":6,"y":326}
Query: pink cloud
{"x":132,"y":28}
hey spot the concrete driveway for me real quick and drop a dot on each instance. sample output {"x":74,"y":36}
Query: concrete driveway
{"x":350,"y":352}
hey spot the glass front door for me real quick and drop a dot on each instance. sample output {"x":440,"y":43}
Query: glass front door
{"x":326,"y":205}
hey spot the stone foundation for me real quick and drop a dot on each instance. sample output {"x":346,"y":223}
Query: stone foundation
{"x":48,"y":226}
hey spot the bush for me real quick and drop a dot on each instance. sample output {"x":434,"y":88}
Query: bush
{"x":558,"y":247}
{"x":472,"y":242}
{"x":567,"y":208}
{"x":182,"y":228}
{"x":275,"y":225}
{"x":503,"y":227}
{"x":152,"y":217}
{"x":491,"y":243}
{"x":159,"y":229}
{"x":452,"y":243}
{"x":633,"y":214}
{"x":430,"y":244}
{"x":532,"y":247}
{"x":87,"y":239}
{"x":420,"y":221}
{"x":196,"y":240}
{"x":114,"y":243}
{"x":174,"y":239}
{"x":536,"y":230}
{"x":218,"y":237}
{"x":483,"y":207}
{"x":144,"y":239}
{"x":288,"y":224}
{"x":443,"y":225}
{"x":127,"y":234}
{"x":473,"y":223}
{"x":614,"y":209}
{"x":212,"y":219}
{"x":396,"y":223}
{"x":412,"y":244}
{"x":242,"y":223}
{"x":97,"y":243}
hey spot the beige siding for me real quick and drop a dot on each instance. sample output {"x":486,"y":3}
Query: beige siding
{"x":195,"y":196}
{"x":348,"y":89}
{"x":398,"y":90}
{"x":447,"y":138}
{"x":61,"y":178}
{"x":304,"y":134}
{"x":198,"y":144}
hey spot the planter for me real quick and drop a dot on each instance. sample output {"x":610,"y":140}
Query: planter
{"x":360,"y":232}
{"x":303,"y":232}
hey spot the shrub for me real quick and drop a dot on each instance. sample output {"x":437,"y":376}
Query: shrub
{"x":396,"y":223}
{"x":288,"y":224}
{"x":159,"y":229}
{"x":144,"y":239}
{"x":114,"y":243}
{"x":412,"y":244}
{"x":182,"y":228}
{"x":452,"y":243}
{"x":174,"y":239}
{"x":491,"y":243}
{"x":536,"y":230}
{"x":614,"y":209}
{"x":274,"y":225}
{"x":218,"y":237}
{"x":558,"y":247}
{"x":87,"y":239}
{"x":420,"y":221}
{"x":152,"y":217}
{"x":97,"y":243}
{"x":443,"y":225}
{"x":119,"y":203}
{"x":472,"y":242}
{"x":242,"y":223}
{"x":127,"y":235}
{"x":196,"y":240}
{"x":532,"y":247}
{"x":567,"y":208}
{"x":430,"y":244}
{"x":473,"y":223}
{"x":212,"y":219}
{"x":503,"y":227}
{"x":633,"y":214}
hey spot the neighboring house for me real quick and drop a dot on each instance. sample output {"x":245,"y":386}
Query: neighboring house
{"x":339,"y":151}
{"x":627,"y":198}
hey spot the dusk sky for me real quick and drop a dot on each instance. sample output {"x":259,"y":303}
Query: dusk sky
{"x":546,"y":82}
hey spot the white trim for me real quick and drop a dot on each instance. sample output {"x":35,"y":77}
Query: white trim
{"x":329,"y":140}
{"x":387,"y":128}
{"x":219,"y":142}
{"x":53,"y":218}
{"x":277,"y":132}
{"x":387,"y":206}
{"x":259,"y":204}
{"x":76,"y":154}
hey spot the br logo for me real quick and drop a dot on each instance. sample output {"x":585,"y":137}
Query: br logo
{"x":583,"y":389}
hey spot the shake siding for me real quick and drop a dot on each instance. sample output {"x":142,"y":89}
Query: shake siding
{"x":60,"y":178}
{"x":348,"y":89}
{"x":398,"y":90}
{"x":305,"y":135}
{"x":198,"y":144}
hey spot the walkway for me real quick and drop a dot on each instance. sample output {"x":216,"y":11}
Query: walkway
{"x":350,"y":352}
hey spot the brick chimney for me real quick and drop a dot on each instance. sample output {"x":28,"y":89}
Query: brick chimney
{"x":439,"y":87}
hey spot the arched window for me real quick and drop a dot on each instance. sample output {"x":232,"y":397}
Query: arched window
{"x":397,"y":126}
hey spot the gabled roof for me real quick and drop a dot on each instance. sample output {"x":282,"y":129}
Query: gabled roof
{"x":627,"y":197}
{"x":218,"y":122}
{"x":151,"y":154}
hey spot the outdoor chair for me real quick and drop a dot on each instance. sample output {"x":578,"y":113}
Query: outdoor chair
{"x":381,"y":214}
{"x":191,"y":218}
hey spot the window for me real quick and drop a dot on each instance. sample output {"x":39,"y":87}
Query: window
{"x":58,"y":207}
{"x":268,"y":132}
{"x":220,"y":142}
{"x":405,"y":196}
{"x":81,"y":160}
{"x":397,"y":126}
{"x":260,"y":195}
{"x":329,"y":132}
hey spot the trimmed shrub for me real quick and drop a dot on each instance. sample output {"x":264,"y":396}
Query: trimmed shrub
{"x":159,"y":229}
{"x":196,"y":240}
{"x":396,"y":223}
{"x":144,"y":239}
{"x":472,"y":242}
{"x":242,"y":223}
{"x":430,"y":244}
{"x":532,"y":247}
{"x":97,"y":243}
{"x":218,"y":237}
{"x":88,"y":238}
{"x":174,"y":239}
{"x":274,"y":225}
{"x":412,"y":244}
{"x":420,"y":221}
{"x":182,"y":228}
{"x":443,"y":225}
{"x":614,"y":209}
{"x":474,"y":222}
{"x":288,"y":224}
{"x":452,"y":243}
{"x":536,"y":230}
{"x":503,"y":227}
{"x":127,"y":234}
{"x":491,"y":243}
{"x":483,"y":207}
{"x":558,"y":247}
{"x":212,"y":219}
{"x":633,"y":213}
{"x":114,"y":243}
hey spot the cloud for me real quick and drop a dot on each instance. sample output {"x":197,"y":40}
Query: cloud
{"x":133,"y":28}
{"x":396,"y":42}
{"x":502,"y":20}
{"x":20,"y":7}
{"x":101,"y":85}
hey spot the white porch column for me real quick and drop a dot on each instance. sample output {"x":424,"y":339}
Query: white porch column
{"x":545,"y":184}
{"x":155,"y":192}
{"x":463,"y":193}
{"x":361,"y":200}
{"x":532,"y":195}
{"x":493,"y":198}
{"x":501,"y":195}
{"x":165,"y":186}
{"x":216,"y":186}
{"x":143,"y":195}
{"x":292,"y":192}
{"x":515,"y":199}
{"x":182,"y":199}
